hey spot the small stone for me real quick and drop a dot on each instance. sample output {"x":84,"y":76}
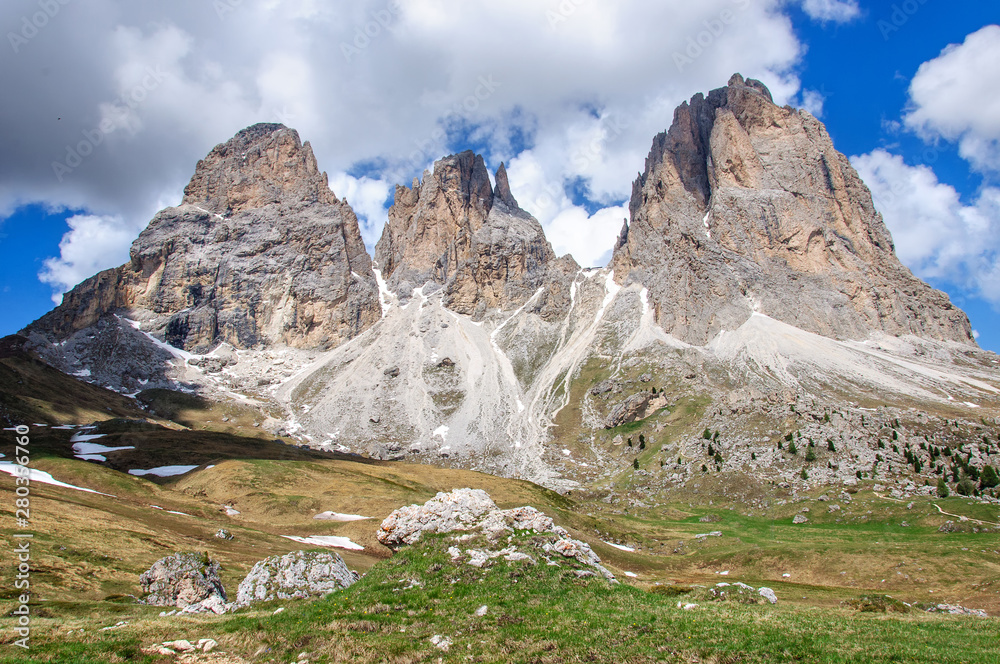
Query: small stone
{"x":481,"y":611}
{"x":768,"y":594}
{"x":800,"y":519}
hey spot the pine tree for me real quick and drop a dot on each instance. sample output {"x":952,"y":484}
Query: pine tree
{"x":707,"y":435}
{"x":942,"y":488}
{"x":830,"y":446}
{"x":642,"y":443}
{"x":635,"y":464}
{"x":792,"y":449}
{"x":989,"y":478}
{"x":804,"y":474}
{"x":810,"y":455}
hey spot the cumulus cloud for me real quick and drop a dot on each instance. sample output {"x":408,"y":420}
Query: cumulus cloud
{"x":367,"y":198}
{"x":92,"y":244}
{"x":837,"y":11}
{"x":956,"y":97}
{"x":936,"y":235}
{"x":114,"y":102}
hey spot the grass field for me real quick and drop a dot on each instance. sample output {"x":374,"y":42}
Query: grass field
{"x":535,"y":613}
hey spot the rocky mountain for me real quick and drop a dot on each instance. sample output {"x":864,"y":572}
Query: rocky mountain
{"x":455,"y":231}
{"x":753,"y":295}
{"x":259,"y":253}
{"x":746,"y":207}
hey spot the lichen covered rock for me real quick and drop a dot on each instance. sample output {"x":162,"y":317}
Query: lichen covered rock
{"x":295,"y":575}
{"x":183,"y":580}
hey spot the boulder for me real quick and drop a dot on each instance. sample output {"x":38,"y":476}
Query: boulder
{"x":473,"y":510}
{"x":295,"y":575}
{"x":183,"y":580}
{"x":462,"y":509}
{"x":628,"y":411}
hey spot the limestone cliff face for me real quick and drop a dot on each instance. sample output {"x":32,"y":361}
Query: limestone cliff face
{"x":745,"y":207}
{"x":259,"y":252}
{"x":455,"y":230}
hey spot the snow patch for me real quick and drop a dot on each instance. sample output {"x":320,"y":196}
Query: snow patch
{"x":337,"y":516}
{"x":80,"y":437}
{"x":163,"y":471}
{"x":328,"y":541}
{"x":620,"y":547}
{"x":41,"y":477}
{"x":441,"y":431}
{"x":94,"y":448}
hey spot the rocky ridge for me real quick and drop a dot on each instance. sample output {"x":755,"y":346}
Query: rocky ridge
{"x":745,"y":281}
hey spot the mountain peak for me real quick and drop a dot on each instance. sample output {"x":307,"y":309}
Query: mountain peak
{"x":261,"y":165}
{"x":502,"y":192}
{"x":746,"y":207}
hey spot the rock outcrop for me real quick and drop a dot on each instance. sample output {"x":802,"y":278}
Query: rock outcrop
{"x":456,"y":231}
{"x":259,"y":252}
{"x":473,"y":512}
{"x":745,"y":207}
{"x":295,"y":575}
{"x":188,"y":581}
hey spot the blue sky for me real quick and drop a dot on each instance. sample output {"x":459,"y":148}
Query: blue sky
{"x":854,"y":65}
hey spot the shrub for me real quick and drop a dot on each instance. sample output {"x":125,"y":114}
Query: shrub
{"x":830,"y":446}
{"x":810,"y":455}
{"x":876,"y":604}
{"x":804,"y":475}
{"x":965,"y":487}
{"x":792,"y":449}
{"x":989,"y":478}
{"x":706,"y":434}
{"x":671,"y":591}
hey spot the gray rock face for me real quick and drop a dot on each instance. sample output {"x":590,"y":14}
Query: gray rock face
{"x":746,"y":207}
{"x":473,"y":511}
{"x":259,"y":252}
{"x":182,"y":580}
{"x":628,"y":410}
{"x":455,"y":230}
{"x":295,"y":575}
{"x":461,"y":509}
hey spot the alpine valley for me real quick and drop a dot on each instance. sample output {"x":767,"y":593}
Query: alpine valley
{"x":753,"y":348}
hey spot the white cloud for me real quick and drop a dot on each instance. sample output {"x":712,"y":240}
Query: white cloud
{"x":367,"y":198}
{"x":838,"y":11}
{"x":586,"y":91}
{"x":936,"y":235}
{"x":92,"y":244}
{"x":956,"y":96}
{"x":570,"y":228}
{"x":975,"y":334}
{"x":812,"y":101}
